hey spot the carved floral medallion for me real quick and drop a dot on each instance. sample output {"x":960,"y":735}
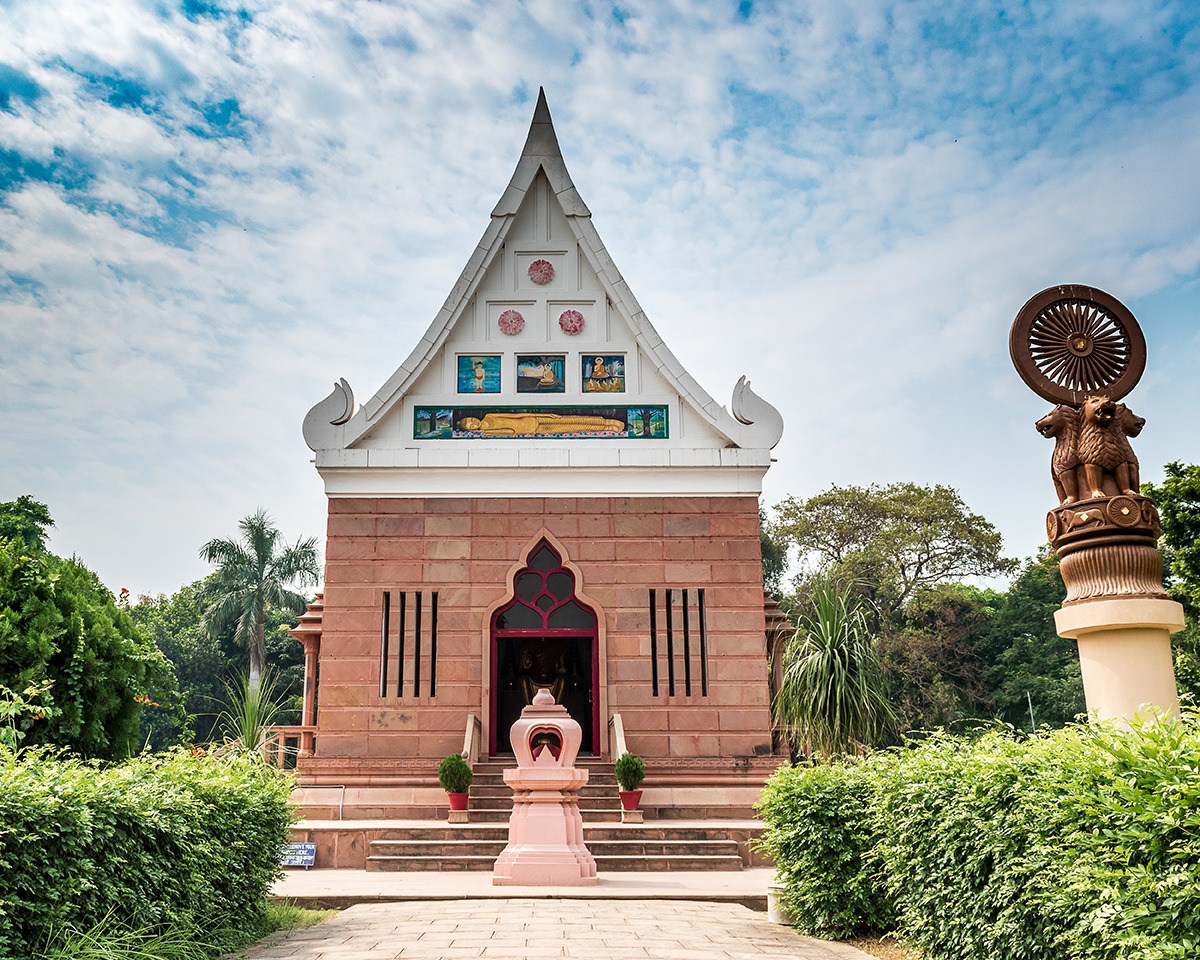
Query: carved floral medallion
{"x":571,"y":321}
{"x":511,"y":322}
{"x":541,"y":272}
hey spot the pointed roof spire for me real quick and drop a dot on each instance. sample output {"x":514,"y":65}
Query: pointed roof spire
{"x":541,"y":151}
{"x":541,"y":141}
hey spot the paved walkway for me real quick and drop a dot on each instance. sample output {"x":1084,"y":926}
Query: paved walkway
{"x":525,"y":929}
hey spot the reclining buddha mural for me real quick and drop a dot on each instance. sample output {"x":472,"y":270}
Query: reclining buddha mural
{"x":433,"y":423}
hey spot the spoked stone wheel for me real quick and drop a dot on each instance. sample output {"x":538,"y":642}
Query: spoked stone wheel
{"x":1070,"y":342}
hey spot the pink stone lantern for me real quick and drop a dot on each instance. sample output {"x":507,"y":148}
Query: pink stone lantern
{"x":545,"y":832}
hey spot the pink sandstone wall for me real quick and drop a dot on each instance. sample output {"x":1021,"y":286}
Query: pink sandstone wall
{"x":465,"y":548}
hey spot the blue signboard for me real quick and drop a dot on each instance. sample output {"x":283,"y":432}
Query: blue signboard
{"x":299,"y":855}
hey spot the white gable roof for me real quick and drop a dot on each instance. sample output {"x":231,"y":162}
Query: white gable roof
{"x":541,"y":266}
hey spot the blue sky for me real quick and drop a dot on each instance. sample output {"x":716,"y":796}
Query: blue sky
{"x":209,"y":212}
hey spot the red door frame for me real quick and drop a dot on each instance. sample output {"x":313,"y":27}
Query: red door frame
{"x":592,"y":634}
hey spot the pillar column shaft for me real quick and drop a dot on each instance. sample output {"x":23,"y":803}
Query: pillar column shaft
{"x":1125,"y":655}
{"x":310,"y":688}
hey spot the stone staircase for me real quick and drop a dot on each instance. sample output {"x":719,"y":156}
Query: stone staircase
{"x":616,"y":847}
{"x":672,"y":838}
{"x":491,"y":797}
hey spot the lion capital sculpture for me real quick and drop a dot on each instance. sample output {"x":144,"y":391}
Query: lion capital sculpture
{"x":1092,"y":455}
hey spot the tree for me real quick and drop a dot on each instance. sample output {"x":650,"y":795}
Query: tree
{"x":933,"y":664}
{"x":207,"y":665}
{"x":1029,"y":661}
{"x":254,"y":573}
{"x":27,"y":520}
{"x":1178,"y":499}
{"x":892,"y":541}
{"x":774,"y":558}
{"x":203,"y":664}
{"x":831,"y":695}
{"x":61,"y":632}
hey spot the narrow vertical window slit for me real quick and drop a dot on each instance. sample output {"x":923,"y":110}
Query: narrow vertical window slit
{"x":433,"y":644}
{"x":654,"y":642}
{"x":670,"y":648}
{"x":703,"y":643}
{"x":385,"y":633}
{"x":400,"y":643}
{"x":687,"y":645}
{"x":417,"y":645}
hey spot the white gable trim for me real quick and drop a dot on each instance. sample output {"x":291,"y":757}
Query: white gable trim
{"x":754,"y":423}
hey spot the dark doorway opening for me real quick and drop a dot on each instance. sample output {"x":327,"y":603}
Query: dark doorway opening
{"x":545,"y":637}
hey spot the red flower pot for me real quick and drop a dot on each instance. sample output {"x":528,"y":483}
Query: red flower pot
{"x":630,"y":799}
{"x":458,"y":801}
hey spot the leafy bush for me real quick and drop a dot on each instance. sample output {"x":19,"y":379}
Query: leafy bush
{"x":823,"y":839}
{"x":629,"y":771}
{"x":1083,"y":844}
{"x":454,"y":774}
{"x":972,"y":833}
{"x":173,"y":840}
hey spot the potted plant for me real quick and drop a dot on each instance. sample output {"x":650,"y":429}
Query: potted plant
{"x":630,"y":771}
{"x":455,"y":776}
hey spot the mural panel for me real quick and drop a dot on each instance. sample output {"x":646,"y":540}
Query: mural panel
{"x":517,"y":423}
{"x":541,"y":374}
{"x":479,"y":374}
{"x":604,"y":374}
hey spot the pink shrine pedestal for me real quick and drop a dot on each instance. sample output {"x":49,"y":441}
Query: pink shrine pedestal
{"x":545,"y":832}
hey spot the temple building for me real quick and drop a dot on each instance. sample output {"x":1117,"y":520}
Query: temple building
{"x":540,"y":496}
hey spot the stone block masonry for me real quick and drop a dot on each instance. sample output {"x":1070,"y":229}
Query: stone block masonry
{"x":690,"y":680}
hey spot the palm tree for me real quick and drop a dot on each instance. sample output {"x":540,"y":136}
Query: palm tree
{"x":831,"y":695}
{"x":254,"y":572}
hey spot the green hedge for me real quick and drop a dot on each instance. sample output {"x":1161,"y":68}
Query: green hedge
{"x":192,"y":841}
{"x":823,"y":840}
{"x":1082,"y":844}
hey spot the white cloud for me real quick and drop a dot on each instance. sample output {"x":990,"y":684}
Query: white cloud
{"x":869,"y":192}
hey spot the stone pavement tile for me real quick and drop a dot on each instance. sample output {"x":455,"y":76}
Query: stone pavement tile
{"x":539,"y":929}
{"x":443,"y":953}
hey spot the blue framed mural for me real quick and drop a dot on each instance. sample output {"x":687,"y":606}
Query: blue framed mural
{"x":479,"y":374}
{"x":524,"y":423}
{"x":541,"y":374}
{"x":603,"y":374}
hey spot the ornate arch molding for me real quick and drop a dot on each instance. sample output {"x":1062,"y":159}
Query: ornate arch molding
{"x":511,"y":599}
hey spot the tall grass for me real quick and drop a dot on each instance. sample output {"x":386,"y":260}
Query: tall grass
{"x":110,"y":940}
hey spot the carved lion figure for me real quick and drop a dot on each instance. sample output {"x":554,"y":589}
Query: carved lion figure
{"x":1102,"y":447}
{"x":1062,"y":423}
{"x":1130,"y":426}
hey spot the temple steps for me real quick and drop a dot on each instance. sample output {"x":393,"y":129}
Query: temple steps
{"x":642,"y":847}
{"x":491,"y":798}
{"x":696,"y":829}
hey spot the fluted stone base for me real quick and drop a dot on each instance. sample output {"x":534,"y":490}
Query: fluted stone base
{"x":1108,"y":549}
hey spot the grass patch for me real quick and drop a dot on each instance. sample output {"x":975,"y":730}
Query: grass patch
{"x":109,"y":940}
{"x":282,"y":915}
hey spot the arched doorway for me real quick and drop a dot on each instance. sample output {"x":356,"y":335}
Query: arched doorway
{"x":545,"y":636}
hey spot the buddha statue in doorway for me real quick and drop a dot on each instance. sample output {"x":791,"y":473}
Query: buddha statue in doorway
{"x":539,"y":672}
